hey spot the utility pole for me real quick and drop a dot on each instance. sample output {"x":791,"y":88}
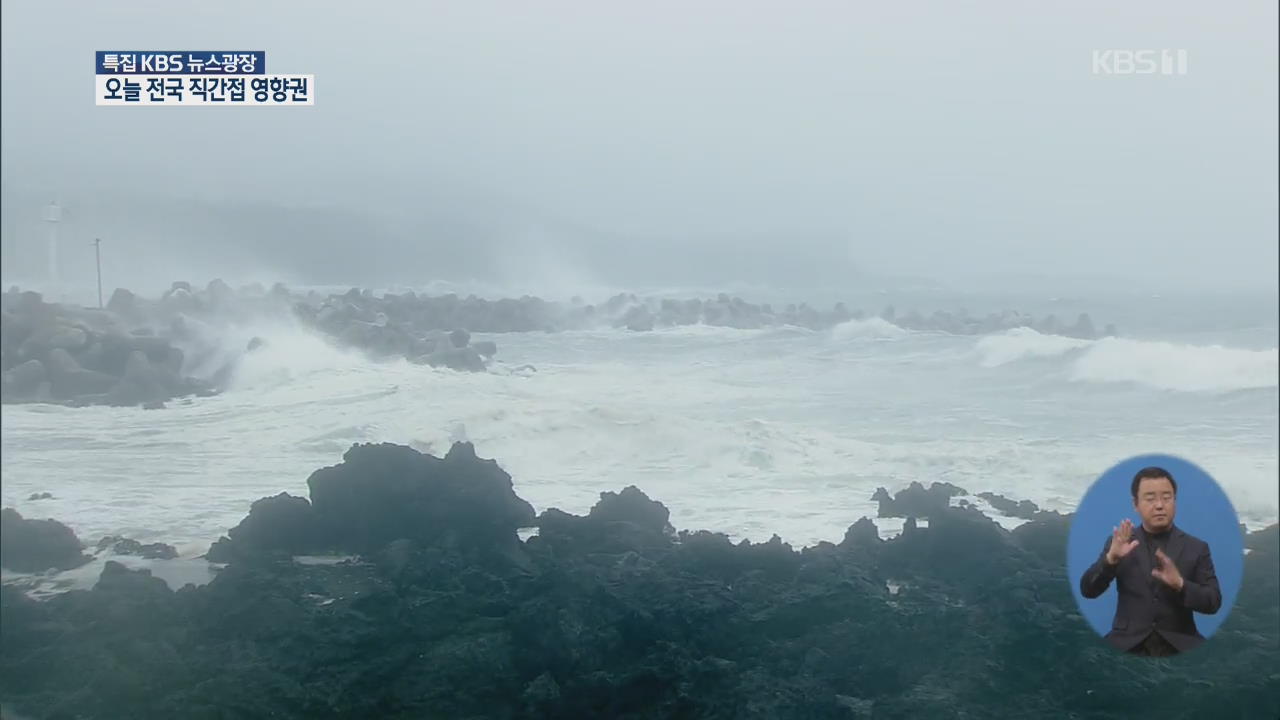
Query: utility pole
{"x":97,"y":253}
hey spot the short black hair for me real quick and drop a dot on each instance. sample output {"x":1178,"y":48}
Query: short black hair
{"x":1148,"y":473}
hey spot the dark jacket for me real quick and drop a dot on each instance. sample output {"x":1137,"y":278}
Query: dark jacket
{"x":1145,"y":603}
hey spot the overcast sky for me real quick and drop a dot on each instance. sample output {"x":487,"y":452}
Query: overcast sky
{"x":783,"y":141}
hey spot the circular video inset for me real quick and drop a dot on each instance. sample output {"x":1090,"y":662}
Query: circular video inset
{"x":1155,"y":555}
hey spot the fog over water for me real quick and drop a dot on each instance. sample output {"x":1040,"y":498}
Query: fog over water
{"x":662,"y":144}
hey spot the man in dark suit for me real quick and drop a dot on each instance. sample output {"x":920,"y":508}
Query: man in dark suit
{"x":1162,"y":574}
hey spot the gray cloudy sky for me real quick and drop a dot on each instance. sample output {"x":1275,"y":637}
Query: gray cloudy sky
{"x":667,"y":142}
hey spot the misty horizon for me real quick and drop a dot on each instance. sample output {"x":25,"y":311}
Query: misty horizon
{"x":627,"y":148}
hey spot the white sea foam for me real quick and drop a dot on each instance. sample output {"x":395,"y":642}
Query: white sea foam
{"x":874,"y":328}
{"x":1022,"y":343}
{"x":1156,"y":364}
{"x":747,"y":432}
{"x":1172,"y":366}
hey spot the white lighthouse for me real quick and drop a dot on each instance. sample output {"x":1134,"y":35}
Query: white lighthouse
{"x":53,"y":216}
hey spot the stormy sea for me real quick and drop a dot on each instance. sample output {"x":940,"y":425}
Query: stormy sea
{"x":618,"y":515}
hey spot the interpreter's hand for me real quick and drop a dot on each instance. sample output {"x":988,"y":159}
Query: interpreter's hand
{"x":1166,"y":572}
{"x":1121,"y":542}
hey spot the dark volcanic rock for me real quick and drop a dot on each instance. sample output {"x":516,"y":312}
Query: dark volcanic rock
{"x":283,"y":524}
{"x":1019,"y":509}
{"x":633,"y":506}
{"x":383,"y":493}
{"x":916,"y":501}
{"x":37,"y":545}
{"x":608,"y":615}
{"x":862,"y":533}
{"x":1043,"y":536}
{"x":619,"y":522}
{"x":128,"y":546}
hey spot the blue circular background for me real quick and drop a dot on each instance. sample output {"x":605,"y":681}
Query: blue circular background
{"x":1203,"y":510}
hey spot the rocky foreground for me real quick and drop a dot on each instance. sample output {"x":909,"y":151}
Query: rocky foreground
{"x":430,"y":606}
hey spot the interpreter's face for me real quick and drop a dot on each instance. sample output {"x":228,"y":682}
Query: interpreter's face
{"x":1156,"y":503}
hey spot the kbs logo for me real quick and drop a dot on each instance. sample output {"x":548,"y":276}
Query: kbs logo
{"x":162,"y":63}
{"x":1139,"y":62}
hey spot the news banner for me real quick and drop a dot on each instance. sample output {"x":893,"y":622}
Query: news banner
{"x":195,"y":77}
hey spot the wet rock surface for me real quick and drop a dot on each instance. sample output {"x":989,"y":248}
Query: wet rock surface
{"x":917,"y":501}
{"x":128,"y":546}
{"x":426,"y":331}
{"x":390,"y":324}
{"x":132,"y":353}
{"x":29,"y":545}
{"x":1024,"y":509}
{"x":432,"y":608}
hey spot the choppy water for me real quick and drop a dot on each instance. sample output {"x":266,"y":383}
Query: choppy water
{"x":782,"y":431}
